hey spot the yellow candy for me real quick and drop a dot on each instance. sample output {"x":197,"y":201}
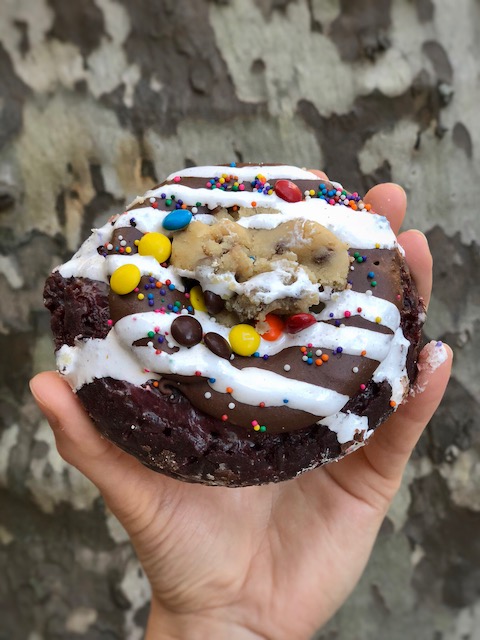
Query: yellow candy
{"x":156,"y":245}
{"x":125,"y":279}
{"x":244,"y":340}
{"x":196,"y":298}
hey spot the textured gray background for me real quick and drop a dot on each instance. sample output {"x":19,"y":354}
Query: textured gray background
{"x":98,"y":98}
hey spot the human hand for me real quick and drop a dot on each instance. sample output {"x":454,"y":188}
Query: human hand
{"x":274,"y":561}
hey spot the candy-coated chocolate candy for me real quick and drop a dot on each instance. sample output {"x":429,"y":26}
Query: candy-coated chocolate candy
{"x":276,"y":327}
{"x":213,"y":302}
{"x":288,"y":191}
{"x":244,"y":339}
{"x":196,"y":298}
{"x":125,"y":279}
{"x":177,"y":220}
{"x":156,"y":245}
{"x":217,"y":345}
{"x":298,"y":322}
{"x":187,"y":331}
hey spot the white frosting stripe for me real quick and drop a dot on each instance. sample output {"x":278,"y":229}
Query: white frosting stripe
{"x":87,"y":263}
{"x":264,"y":288}
{"x":148,"y":267}
{"x":247,"y":173}
{"x":146,"y":219}
{"x":374,"y":309}
{"x":395,"y":361}
{"x":345,"y":425}
{"x":99,"y":358}
{"x":359,"y":229}
{"x":324,"y":336}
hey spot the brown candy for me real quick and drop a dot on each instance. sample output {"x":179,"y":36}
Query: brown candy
{"x":213,"y":302}
{"x":187,"y":331}
{"x":217,"y":345}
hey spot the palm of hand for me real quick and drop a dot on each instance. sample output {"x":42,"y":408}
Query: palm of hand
{"x":249,"y":552}
{"x":275,"y":560}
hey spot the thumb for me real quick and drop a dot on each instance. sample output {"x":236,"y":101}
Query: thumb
{"x":80,"y":444}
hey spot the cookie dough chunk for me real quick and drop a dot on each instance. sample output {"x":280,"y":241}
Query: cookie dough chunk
{"x":258,"y":271}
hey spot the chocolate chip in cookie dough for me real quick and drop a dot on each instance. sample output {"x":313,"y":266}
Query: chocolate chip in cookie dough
{"x":213,"y":302}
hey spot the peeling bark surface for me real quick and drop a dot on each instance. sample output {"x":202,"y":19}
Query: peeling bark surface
{"x":99,"y":99}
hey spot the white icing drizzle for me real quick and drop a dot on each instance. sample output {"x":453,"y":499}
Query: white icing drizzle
{"x":146,"y":219}
{"x":115,"y":356}
{"x":345,"y":425}
{"x":323,"y":336}
{"x":284,"y":281}
{"x":395,"y":361}
{"x":353,"y":227}
{"x":86,"y":262}
{"x":357,"y":228}
{"x":371,"y":308}
{"x":148,"y":267}
{"x":284,"y":171}
{"x":99,"y":358}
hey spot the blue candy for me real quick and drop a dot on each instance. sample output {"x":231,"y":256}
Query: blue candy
{"x":178,"y":219}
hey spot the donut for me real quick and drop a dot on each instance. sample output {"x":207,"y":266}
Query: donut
{"x":238,"y":324}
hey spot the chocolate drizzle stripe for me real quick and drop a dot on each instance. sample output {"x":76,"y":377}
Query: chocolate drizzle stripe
{"x":194,"y":182}
{"x":360,"y":323}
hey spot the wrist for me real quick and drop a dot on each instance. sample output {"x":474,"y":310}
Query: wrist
{"x":165,"y":625}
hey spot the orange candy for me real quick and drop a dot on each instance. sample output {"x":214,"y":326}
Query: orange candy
{"x":276,"y":327}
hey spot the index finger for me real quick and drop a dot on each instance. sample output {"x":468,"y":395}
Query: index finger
{"x":388,"y":199}
{"x":320,"y":174}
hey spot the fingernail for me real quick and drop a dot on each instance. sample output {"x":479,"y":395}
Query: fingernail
{"x":47,"y":412}
{"x":420,"y":233}
{"x":433,"y":355}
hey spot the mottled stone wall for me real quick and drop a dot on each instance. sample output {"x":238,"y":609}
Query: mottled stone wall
{"x":99,"y":98}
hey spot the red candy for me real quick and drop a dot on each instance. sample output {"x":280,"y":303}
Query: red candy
{"x":288,"y":191}
{"x":298,"y":322}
